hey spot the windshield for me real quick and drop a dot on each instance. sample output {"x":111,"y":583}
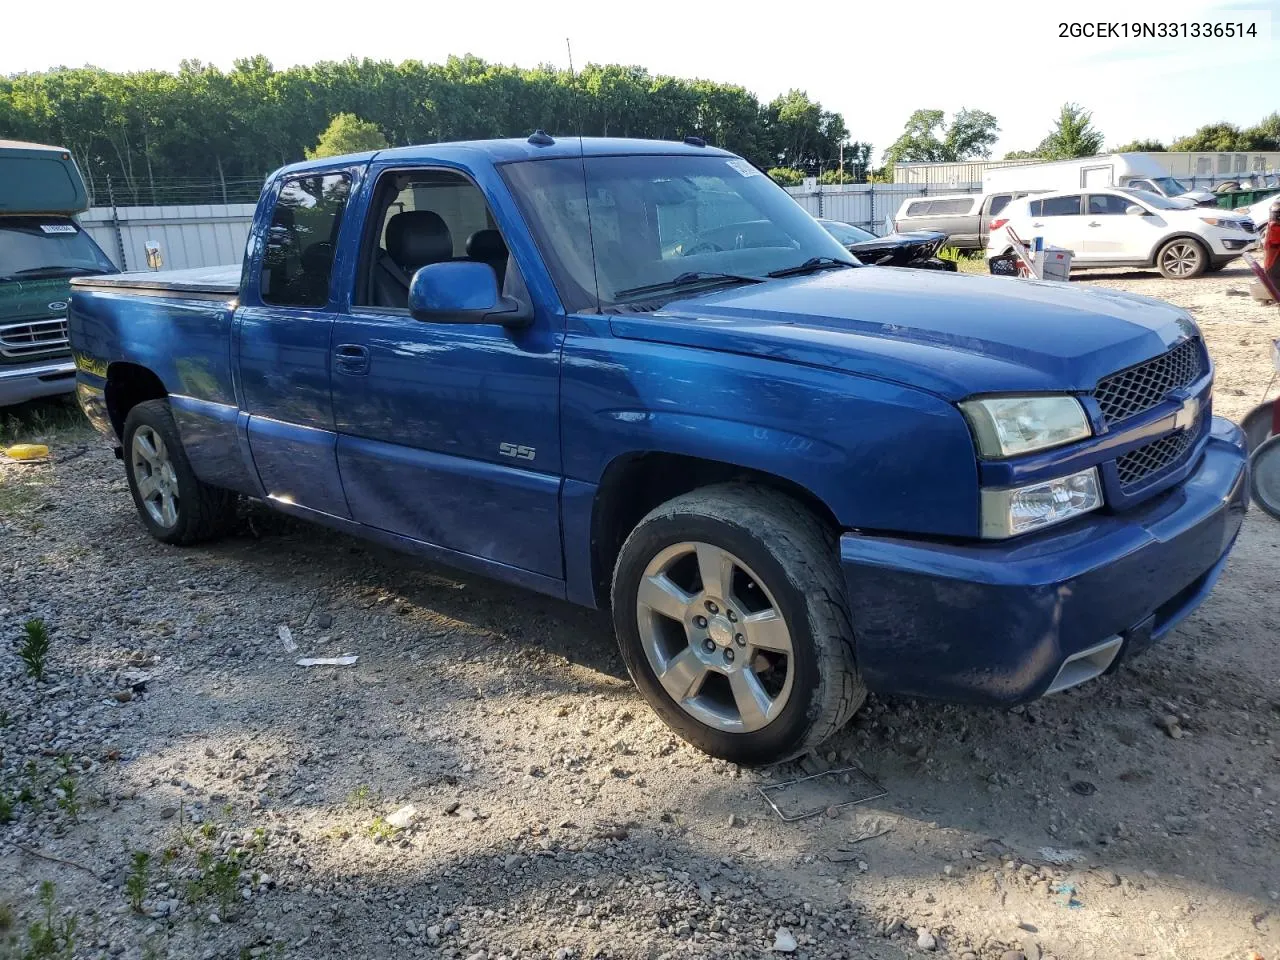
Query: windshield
{"x":846,"y":233}
{"x":42,"y":247}
{"x":1155,"y":200}
{"x":1169,"y":185}
{"x":639,"y":222}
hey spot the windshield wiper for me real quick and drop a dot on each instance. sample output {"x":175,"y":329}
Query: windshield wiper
{"x":811,"y":265}
{"x":685,"y":280}
{"x":52,"y":271}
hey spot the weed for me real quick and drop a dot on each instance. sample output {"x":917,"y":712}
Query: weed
{"x":45,"y":935}
{"x":359,"y":795}
{"x":208,"y":830}
{"x":6,"y":808}
{"x":380,"y":830}
{"x":6,"y":918}
{"x":35,"y":647}
{"x":5,"y":719}
{"x":259,"y":841}
{"x":218,"y":879}
{"x":135,"y":884}
{"x":67,"y":796}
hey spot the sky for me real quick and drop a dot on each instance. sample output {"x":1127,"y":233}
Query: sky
{"x":873,"y":62}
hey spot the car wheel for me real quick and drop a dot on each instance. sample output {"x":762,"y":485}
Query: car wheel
{"x":175,"y":506}
{"x":1264,"y":465}
{"x":1182,"y":258}
{"x":730,"y":611}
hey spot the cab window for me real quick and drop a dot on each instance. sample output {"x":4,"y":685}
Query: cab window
{"x":298,"y":261}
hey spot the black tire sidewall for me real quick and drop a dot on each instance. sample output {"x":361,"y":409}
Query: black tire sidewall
{"x":156,"y":415}
{"x":1268,"y":454}
{"x":779,"y":738}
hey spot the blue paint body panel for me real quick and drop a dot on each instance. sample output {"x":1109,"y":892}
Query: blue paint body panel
{"x":492,"y":448}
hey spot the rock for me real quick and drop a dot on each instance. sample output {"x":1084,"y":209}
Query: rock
{"x":926,"y":940}
{"x":783,"y":941}
{"x":1108,"y":877}
{"x":467,"y":814}
{"x":1031,"y":950}
{"x":1169,"y":724}
{"x":402,"y":817}
{"x":452,"y":807}
{"x":1012,"y":955}
{"x":167,"y":813}
{"x":324,"y":620}
{"x":737,"y":821}
{"x":123,"y":696}
{"x":512,"y":862}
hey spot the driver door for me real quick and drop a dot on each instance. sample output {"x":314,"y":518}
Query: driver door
{"x":448,"y":433}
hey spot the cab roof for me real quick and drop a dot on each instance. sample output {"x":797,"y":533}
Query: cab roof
{"x":515,"y":148}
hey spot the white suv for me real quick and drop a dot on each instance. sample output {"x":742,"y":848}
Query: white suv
{"x":1118,"y":227}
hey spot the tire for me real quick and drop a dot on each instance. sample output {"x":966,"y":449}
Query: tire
{"x":764,"y":700}
{"x":1265,"y":479}
{"x":1182,"y":259}
{"x":1257,"y":425}
{"x":175,"y":506}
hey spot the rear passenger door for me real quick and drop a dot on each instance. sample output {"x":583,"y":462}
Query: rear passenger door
{"x":1060,"y":222}
{"x":282,"y":345}
{"x":448,"y":433}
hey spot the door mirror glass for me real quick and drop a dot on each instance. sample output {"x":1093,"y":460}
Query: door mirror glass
{"x":1134,"y":210}
{"x":461,"y":291}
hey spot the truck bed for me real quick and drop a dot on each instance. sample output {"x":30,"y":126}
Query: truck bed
{"x":201,"y":282}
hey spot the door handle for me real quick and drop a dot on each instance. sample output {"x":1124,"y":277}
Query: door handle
{"x":352,"y":358}
{"x":1037,"y":224}
{"x":1095,"y":223}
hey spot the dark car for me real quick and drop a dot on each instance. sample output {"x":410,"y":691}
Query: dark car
{"x":917,"y":249}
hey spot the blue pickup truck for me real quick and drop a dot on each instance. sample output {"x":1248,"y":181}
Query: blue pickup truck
{"x":637,"y":375}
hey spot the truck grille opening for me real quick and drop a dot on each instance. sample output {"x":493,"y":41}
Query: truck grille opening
{"x":1137,"y":465}
{"x":33,"y":338}
{"x":1130,"y":392}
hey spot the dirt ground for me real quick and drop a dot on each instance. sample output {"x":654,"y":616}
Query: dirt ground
{"x":553,"y":815}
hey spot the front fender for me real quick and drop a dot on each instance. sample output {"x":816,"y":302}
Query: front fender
{"x":879,"y":455}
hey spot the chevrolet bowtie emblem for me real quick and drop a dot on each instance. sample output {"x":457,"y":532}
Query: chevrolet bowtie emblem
{"x":1187,"y":414}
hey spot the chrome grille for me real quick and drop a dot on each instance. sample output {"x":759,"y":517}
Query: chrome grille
{"x":1137,"y":465}
{"x":32,"y":338}
{"x":1141,"y":387}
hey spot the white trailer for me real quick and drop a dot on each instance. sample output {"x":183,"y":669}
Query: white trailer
{"x":1135,"y":170}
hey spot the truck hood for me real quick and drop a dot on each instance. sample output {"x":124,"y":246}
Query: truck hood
{"x":953,"y":335}
{"x":34,"y":299}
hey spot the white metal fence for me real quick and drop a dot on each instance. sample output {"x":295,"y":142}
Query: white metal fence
{"x":870,"y":206}
{"x":205,"y":235}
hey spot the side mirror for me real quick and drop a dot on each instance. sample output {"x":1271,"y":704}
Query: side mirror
{"x":463,"y":291}
{"x":1134,"y":210}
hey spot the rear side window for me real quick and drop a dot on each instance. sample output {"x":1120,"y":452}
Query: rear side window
{"x":950,"y":207}
{"x":298,"y":261}
{"x":918,"y":209}
{"x":1058,"y":207}
{"x":999,"y":202}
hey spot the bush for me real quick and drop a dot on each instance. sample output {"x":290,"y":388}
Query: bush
{"x":786,"y":176}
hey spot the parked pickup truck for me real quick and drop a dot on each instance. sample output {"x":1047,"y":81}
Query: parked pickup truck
{"x":791,"y":478}
{"x":965,"y":218}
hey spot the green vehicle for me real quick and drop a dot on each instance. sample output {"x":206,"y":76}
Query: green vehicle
{"x":41,"y":248}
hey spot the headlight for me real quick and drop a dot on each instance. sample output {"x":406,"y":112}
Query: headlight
{"x":1226,"y":223}
{"x":1009,"y":512}
{"x":1007,"y":426}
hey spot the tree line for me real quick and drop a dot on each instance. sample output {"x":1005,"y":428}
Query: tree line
{"x":152,"y":131}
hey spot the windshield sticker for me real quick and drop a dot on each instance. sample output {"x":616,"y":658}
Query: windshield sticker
{"x":744,"y":168}
{"x":57,"y":228}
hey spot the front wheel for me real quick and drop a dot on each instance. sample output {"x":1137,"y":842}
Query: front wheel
{"x":1182,"y":259}
{"x":174,"y":504}
{"x":730,"y":612}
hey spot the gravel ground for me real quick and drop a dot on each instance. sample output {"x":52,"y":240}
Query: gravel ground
{"x":552,"y":815}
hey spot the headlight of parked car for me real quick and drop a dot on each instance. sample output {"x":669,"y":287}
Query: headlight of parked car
{"x":1226,"y":223}
{"x":1008,"y":426}
{"x":1009,"y":512}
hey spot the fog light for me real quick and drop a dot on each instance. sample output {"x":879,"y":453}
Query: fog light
{"x":1015,"y":510}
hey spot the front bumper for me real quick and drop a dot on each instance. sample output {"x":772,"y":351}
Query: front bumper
{"x":1004,"y":623}
{"x":45,"y":379}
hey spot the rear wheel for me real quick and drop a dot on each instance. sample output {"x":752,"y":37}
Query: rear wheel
{"x":1182,"y":258}
{"x":1265,"y":465}
{"x":175,"y":506}
{"x":730,"y":612}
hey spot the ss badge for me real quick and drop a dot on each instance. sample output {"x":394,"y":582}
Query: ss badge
{"x":518,"y":451}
